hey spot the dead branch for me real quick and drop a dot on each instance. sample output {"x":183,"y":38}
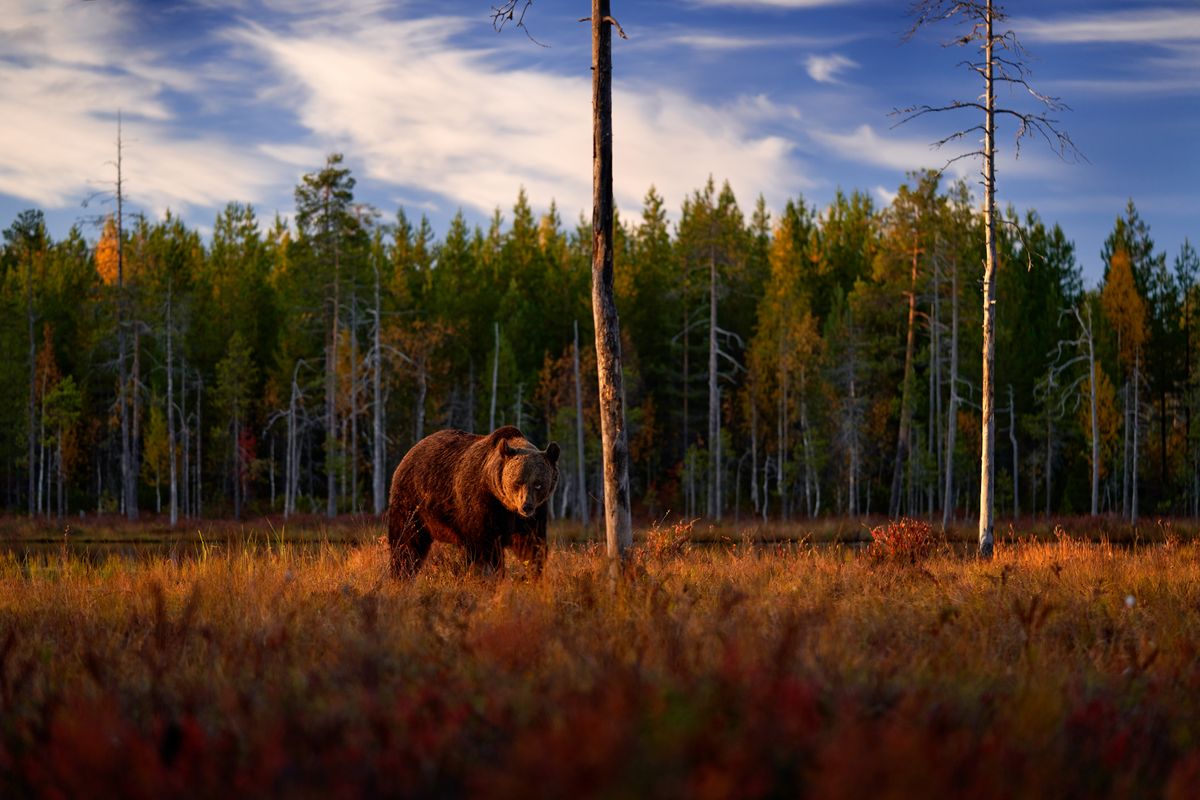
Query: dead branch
{"x":507,"y":12}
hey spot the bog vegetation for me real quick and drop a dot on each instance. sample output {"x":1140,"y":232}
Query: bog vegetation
{"x":1061,"y":668}
{"x":287,"y":366}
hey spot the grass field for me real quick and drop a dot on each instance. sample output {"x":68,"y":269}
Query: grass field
{"x":277,"y":666}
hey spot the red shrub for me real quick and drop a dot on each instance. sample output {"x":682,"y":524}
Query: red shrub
{"x":903,"y":540}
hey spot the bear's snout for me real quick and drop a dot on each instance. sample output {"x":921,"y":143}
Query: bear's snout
{"x":528,"y":509}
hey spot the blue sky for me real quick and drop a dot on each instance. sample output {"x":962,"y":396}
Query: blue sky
{"x":236,"y":99}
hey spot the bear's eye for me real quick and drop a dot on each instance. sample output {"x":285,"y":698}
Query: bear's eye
{"x":537,"y":486}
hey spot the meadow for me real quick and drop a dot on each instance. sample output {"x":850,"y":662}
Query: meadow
{"x":279,"y":664}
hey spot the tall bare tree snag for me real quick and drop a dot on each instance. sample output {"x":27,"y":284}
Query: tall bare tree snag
{"x":1001,"y":61}
{"x":613,"y":433}
{"x":615,"y":437}
{"x":580,"y":480}
{"x":1084,"y":348}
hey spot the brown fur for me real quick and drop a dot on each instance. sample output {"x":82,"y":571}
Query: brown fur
{"x":482,"y":493}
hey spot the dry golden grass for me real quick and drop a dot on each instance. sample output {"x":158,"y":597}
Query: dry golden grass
{"x":1066,"y":669}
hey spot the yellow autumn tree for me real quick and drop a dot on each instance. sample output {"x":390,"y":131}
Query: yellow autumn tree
{"x":106,"y":252}
{"x":1124,"y":307}
{"x":1108,"y":419}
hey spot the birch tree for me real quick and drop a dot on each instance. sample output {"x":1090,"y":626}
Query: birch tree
{"x":1000,"y":61}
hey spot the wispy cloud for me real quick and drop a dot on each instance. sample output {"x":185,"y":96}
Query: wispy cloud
{"x":774,"y":3}
{"x":864,"y":145}
{"x":424,"y":113}
{"x":714,"y":42}
{"x":827,"y":69}
{"x":66,"y":72}
{"x":1143,"y":26}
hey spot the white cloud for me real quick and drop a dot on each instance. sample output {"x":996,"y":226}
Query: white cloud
{"x":886,"y":196}
{"x":67,"y":72}
{"x":826,"y":69}
{"x":1142,"y":26}
{"x":420,"y":112}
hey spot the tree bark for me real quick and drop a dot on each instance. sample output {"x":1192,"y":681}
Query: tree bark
{"x":988,"y":434}
{"x":714,"y":402}
{"x":1012,"y":438}
{"x":952,"y":410}
{"x":618,"y":520}
{"x":353,"y":443}
{"x":580,"y":472}
{"x":378,"y":439}
{"x":754,"y":452}
{"x":174,"y":499}
{"x":495,"y":380}
{"x":135,"y":425}
{"x":331,"y":357}
{"x":199,"y":448}
{"x":422,"y":393}
{"x":128,"y":482}
{"x":853,"y":432}
{"x":31,"y":452}
{"x":1095,"y":427}
{"x":1136,"y":417}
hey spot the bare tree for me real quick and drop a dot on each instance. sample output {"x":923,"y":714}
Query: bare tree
{"x":615,"y":436}
{"x":1084,"y":349}
{"x":1000,"y":61}
{"x":171,"y":443}
{"x":580,"y":480}
{"x":378,"y":435}
{"x":613,"y":433}
{"x":495,"y":380}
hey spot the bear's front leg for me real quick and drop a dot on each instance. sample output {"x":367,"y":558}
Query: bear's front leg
{"x":486,"y":558}
{"x":409,"y":542}
{"x":531,"y":549}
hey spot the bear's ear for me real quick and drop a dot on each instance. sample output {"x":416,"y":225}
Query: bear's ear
{"x":552,"y":453}
{"x":506,"y":449}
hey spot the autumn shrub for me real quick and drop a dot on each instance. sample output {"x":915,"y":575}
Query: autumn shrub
{"x":664,"y":543}
{"x":904,"y":540}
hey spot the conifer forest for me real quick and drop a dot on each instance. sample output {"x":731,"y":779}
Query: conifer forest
{"x":780,"y":363}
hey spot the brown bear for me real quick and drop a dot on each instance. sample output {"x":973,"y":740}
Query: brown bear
{"x":483,"y":493}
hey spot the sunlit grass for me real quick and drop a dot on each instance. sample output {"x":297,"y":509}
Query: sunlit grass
{"x":1058,"y":669}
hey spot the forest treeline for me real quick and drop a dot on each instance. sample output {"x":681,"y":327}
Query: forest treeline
{"x":784,"y":363}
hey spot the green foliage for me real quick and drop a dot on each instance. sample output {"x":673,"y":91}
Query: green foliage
{"x":811,"y":314}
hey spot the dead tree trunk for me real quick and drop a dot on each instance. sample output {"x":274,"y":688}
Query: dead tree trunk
{"x":714,"y":402}
{"x":31,"y":453}
{"x":952,"y":410}
{"x":1135,"y":414}
{"x":987,"y":390}
{"x":618,"y":521}
{"x":378,"y":437}
{"x":580,"y":481}
{"x":1012,"y":438}
{"x":128,"y":480}
{"x":979,"y":17}
{"x":174,"y":501}
{"x":353,"y":440}
{"x":332,"y":451}
{"x":1095,"y":423}
{"x":495,"y":380}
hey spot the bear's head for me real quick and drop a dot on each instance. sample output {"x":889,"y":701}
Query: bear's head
{"x":527,"y":475}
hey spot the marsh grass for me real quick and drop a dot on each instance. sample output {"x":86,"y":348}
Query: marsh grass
{"x":1059,"y":669}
